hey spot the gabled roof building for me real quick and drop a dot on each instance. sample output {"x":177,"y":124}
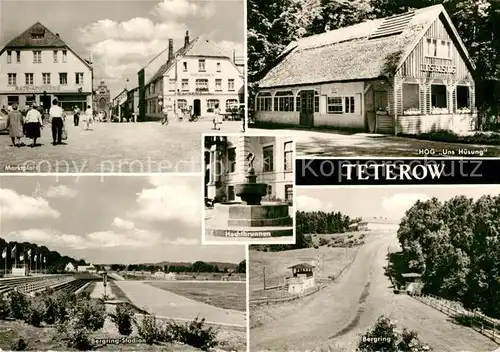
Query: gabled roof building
{"x":405,"y":74}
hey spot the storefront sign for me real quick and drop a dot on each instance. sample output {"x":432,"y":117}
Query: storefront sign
{"x":37,"y":89}
{"x":194,"y":93}
{"x":438,"y":68}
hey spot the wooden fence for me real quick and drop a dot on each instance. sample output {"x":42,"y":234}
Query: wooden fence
{"x":485,"y":325}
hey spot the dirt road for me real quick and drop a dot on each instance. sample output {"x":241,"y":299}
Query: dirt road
{"x":339,"y":314}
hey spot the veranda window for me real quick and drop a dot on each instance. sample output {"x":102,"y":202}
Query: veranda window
{"x":411,"y":99}
{"x":316,"y":101}
{"x":463,"y":100}
{"x":264,"y":101}
{"x":439,"y":104}
{"x":285,"y":101}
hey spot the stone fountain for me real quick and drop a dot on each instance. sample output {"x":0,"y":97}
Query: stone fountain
{"x":251,"y":219}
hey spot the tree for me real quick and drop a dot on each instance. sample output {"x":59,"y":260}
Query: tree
{"x":242,"y":267}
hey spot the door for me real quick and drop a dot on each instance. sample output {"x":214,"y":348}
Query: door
{"x":46,"y":102}
{"x":307,"y":108}
{"x":197,"y":107}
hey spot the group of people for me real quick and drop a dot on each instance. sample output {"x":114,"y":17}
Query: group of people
{"x":217,"y":120}
{"x":30,"y":126}
{"x":88,"y":117}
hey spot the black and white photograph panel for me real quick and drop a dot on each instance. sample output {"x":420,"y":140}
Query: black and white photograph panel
{"x":249,"y":189}
{"x":390,"y":269}
{"x":115,"y":263}
{"x":117,"y":86}
{"x":377,"y":78}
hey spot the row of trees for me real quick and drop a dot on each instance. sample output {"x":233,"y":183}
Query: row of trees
{"x":456,"y":247}
{"x":196,"y":267}
{"x":272,"y":25}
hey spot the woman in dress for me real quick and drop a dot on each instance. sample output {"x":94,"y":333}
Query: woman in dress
{"x":217,"y":117}
{"x":33,"y":124}
{"x":15,"y":126}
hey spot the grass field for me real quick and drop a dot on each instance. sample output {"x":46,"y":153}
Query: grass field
{"x":226,"y":295}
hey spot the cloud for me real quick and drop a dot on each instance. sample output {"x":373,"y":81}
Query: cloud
{"x":306,"y":203}
{"x":228,"y":47}
{"x":397,"y":204}
{"x":170,"y":199}
{"x":172,"y":9}
{"x":123,"y":224}
{"x":17,"y":206}
{"x":60,"y":191}
{"x":46,"y":237}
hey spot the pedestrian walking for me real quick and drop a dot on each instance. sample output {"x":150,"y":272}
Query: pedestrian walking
{"x":76,"y":116}
{"x":56,"y":114}
{"x":15,"y":126}
{"x":89,"y":117}
{"x":33,"y":124}
{"x":217,"y":117}
{"x":164,"y":121}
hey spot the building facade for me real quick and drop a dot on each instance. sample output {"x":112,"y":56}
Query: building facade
{"x":119,"y":104}
{"x":199,"y":76}
{"x":405,"y":74}
{"x":226,"y":165}
{"x":102,"y":99}
{"x":37,"y":66}
{"x":133,"y":102}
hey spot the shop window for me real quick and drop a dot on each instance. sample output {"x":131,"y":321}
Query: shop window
{"x":463,"y":99}
{"x":289,"y":194}
{"x":411,"y":99}
{"x":211,"y":104}
{"x":334,"y":105}
{"x":30,"y":99}
{"x":231,"y":104}
{"x":288,"y":156}
{"x":263,"y":101}
{"x":438,"y":99}
{"x":12,"y":99}
{"x":284,"y":101}
{"x":230,"y":193}
{"x":231,"y":159}
{"x":268,"y":155}
{"x":182,"y":104}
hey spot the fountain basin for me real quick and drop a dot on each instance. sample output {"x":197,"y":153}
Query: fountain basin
{"x":251,"y":193}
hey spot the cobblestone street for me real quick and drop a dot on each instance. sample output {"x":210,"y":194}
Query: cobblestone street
{"x":115,"y":147}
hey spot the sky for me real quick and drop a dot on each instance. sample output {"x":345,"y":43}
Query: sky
{"x":110,"y":219}
{"x":124,"y":35}
{"x":386,"y":202}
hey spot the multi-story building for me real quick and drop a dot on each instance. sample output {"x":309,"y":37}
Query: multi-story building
{"x":119,"y":103}
{"x":198,"y":75}
{"x":226,"y":165}
{"x":133,"y":102}
{"x":38,"y":66}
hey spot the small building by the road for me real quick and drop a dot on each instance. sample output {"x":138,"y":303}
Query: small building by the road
{"x":87,"y":269}
{"x":359,"y":226}
{"x":70,"y":268}
{"x":38,"y":66}
{"x":302,"y":278}
{"x":412,"y":282}
{"x":405,"y":74}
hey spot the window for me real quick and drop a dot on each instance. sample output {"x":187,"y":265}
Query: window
{"x":411,"y":99}
{"x":63,"y":78}
{"x":349,"y":107}
{"x":12,"y":79}
{"x":288,"y":156}
{"x":30,"y":99}
{"x":231,"y":159}
{"x":334,"y":105}
{"x":264,"y":101}
{"x":37,"y":57}
{"x":268,"y":154}
{"x":438,"y":99}
{"x":185,"y":66}
{"x":171,"y":85}
{"x":28,"y":79}
{"x":79,"y":78}
{"x":9,"y":57}
{"x":201,"y":66}
{"x":289,"y":193}
{"x":182,"y":104}
{"x":65,"y":56}
{"x":12,"y":99}
{"x":316,"y":101}
{"x":230,"y":193}
{"x":269,"y":190}
{"x":437,"y":48}
{"x":46,"y":78}
{"x":18,"y":56}
{"x":231,"y":104}
{"x":55,"y":56}
{"x":218,"y":85}
{"x":283,"y":101}
{"x":230,"y":84}
{"x":153,"y":87}
{"x":463,"y":99}
{"x":211,"y":103}
{"x":297,"y":102}
{"x":218,"y":67}
{"x":185,"y":85}
{"x":202,"y":85}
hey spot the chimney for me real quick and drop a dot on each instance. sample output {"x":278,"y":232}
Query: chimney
{"x":57,"y":35}
{"x":170,"y":50}
{"x":186,"y":40}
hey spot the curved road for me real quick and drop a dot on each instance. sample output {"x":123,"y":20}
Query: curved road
{"x":344,"y":310}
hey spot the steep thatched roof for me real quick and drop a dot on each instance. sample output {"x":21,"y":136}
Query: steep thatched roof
{"x":348,"y":54}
